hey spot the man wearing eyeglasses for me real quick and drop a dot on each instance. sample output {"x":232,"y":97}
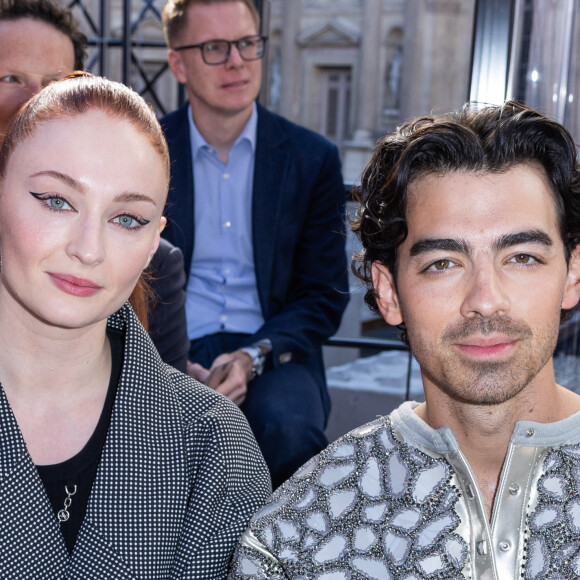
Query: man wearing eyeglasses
{"x":261,"y":231}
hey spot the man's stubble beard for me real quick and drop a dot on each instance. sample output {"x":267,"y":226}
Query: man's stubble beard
{"x":485,"y":382}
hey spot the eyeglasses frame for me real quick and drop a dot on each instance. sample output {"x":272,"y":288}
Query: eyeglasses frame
{"x":230,"y":43}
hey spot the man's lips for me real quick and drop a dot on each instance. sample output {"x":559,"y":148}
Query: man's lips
{"x":487,"y":346}
{"x":74,"y":285}
{"x":235,"y":85}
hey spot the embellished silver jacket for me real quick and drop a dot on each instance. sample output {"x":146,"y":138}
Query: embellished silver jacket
{"x":395,"y":499}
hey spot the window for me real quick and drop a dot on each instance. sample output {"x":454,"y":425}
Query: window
{"x":335,"y":103}
{"x":544,"y":66}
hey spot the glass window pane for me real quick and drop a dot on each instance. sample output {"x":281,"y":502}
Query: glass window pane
{"x":544,"y":71}
{"x":331,"y":112}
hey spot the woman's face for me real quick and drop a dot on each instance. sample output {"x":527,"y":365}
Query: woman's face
{"x":80,"y":216}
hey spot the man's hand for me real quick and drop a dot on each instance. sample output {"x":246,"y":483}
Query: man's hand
{"x":197,"y":372}
{"x":229,"y":374}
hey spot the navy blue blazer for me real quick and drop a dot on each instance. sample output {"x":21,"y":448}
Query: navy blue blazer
{"x":167,"y":321}
{"x":297,"y":231}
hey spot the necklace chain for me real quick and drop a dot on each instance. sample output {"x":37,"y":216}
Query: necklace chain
{"x":63,"y":515}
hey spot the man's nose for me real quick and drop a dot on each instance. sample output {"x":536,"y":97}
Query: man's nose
{"x":34,"y":84}
{"x":485,"y":294}
{"x":235,"y":57}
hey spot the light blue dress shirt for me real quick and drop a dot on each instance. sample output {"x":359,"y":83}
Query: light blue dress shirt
{"x":222,"y":295}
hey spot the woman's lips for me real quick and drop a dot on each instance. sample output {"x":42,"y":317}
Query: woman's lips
{"x":74,"y":285}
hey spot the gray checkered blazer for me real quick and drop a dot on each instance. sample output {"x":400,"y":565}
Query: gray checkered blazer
{"x":179,"y":478}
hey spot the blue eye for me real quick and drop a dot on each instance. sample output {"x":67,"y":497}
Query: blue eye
{"x":130,"y":222}
{"x":57,"y":203}
{"x":11,"y":79}
{"x":53,"y":201}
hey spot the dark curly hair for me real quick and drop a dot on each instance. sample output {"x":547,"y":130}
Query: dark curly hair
{"x":492,"y":139}
{"x":52,"y":13}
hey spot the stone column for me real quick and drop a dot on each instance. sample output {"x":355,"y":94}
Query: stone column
{"x":369,"y":71}
{"x":289,"y":101}
{"x":357,"y":151}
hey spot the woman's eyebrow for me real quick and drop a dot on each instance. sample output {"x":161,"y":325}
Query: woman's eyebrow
{"x":129,"y":196}
{"x":67,"y":179}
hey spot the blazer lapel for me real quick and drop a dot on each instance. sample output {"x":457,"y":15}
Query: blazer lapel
{"x":131,"y":517}
{"x":270,"y":169}
{"x":31,"y":543}
{"x":180,"y":204}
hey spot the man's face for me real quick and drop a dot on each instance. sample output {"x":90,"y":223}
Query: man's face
{"x":32,"y":55}
{"x":227,"y":89}
{"x":481,"y":279}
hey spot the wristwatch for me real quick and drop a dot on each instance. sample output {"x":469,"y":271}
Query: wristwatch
{"x":258,"y":357}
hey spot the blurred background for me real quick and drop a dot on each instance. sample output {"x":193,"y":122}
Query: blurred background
{"x":353,"y":70}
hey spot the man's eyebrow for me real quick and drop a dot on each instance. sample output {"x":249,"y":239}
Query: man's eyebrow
{"x":527,"y":237}
{"x":432,"y":244}
{"x":67,"y":179}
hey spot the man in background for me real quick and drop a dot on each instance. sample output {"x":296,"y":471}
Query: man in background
{"x":40,"y":43}
{"x":256,"y":204}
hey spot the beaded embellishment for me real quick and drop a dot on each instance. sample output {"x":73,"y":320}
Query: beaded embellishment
{"x":553,"y":531}
{"x":367,"y":507}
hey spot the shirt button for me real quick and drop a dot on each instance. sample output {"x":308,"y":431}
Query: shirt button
{"x":222,"y":288}
{"x":223,"y":317}
{"x":227,"y":224}
{"x":514,"y":489}
{"x":227,"y":271}
{"x":505,"y":545}
{"x":226,"y":175}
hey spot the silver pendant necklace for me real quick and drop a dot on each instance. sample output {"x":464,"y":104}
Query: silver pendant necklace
{"x":63,"y":515}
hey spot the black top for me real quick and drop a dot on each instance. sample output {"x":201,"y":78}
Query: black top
{"x":81,"y":470}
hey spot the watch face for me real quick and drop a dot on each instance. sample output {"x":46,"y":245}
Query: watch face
{"x":258,"y":358}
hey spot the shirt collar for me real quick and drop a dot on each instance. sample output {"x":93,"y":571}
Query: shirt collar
{"x":248,"y":133}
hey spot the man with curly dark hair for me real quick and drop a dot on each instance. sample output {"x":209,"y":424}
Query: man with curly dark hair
{"x":470,"y":228}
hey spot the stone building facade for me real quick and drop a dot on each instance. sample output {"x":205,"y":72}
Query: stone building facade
{"x":350,"y":69}
{"x":355,"y":69}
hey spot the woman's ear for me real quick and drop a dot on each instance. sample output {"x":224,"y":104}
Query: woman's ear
{"x":572,"y":290}
{"x":386,"y":294}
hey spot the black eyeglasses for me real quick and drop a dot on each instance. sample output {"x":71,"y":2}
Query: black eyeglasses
{"x":218,"y":51}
